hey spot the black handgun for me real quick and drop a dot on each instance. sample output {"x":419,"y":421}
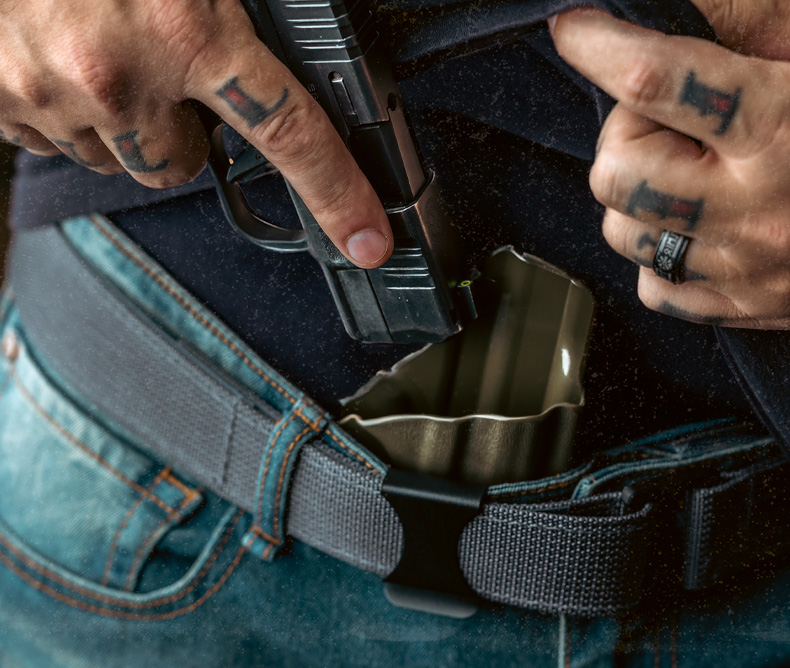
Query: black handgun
{"x":334,"y":49}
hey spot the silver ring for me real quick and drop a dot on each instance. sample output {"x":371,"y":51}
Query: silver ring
{"x":670,"y":253}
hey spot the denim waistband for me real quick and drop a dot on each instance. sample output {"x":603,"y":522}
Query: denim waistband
{"x":578,"y":542}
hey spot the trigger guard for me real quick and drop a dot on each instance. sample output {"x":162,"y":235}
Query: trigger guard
{"x":238,"y":211}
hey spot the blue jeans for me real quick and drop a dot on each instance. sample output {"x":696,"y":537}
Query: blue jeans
{"x":110,"y":558}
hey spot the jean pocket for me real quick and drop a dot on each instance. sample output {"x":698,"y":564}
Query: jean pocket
{"x":75,"y":494}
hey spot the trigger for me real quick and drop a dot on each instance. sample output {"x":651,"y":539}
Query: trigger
{"x":248,"y":165}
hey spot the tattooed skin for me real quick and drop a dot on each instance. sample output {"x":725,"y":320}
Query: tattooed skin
{"x":68,"y":148}
{"x":132,"y":155}
{"x":670,"y":309}
{"x":644,"y":198}
{"x":252,"y":111}
{"x":646,"y":240}
{"x":16,"y":141}
{"x":709,"y":101}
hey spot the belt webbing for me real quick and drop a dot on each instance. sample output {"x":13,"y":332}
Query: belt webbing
{"x":581,"y":556}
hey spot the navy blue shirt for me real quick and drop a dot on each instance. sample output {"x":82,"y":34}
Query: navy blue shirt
{"x":510,"y":131}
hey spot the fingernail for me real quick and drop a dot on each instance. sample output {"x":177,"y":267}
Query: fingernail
{"x":367,"y":247}
{"x":552,"y":21}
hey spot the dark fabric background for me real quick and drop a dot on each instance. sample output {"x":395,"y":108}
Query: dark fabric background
{"x":510,"y":131}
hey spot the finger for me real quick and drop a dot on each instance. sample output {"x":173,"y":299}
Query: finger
{"x":661,"y":177}
{"x":638,"y":242}
{"x":695,"y":87}
{"x":26,"y":137}
{"x":165,"y":147}
{"x":261,"y":99}
{"x":87,"y":150}
{"x":695,"y":303}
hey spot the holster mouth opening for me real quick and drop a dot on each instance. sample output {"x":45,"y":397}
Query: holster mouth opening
{"x":498,"y":402}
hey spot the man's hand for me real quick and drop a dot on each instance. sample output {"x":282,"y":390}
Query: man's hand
{"x":751,"y":27}
{"x":698,"y":145}
{"x":105,"y":83}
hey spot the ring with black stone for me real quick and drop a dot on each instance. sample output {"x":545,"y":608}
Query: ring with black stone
{"x":670,"y":252}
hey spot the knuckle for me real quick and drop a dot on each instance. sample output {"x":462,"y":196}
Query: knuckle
{"x":182,"y":28}
{"x":649,"y":293}
{"x":194,"y":37}
{"x":99,"y":79}
{"x":720,"y":12}
{"x":32,"y":92}
{"x":779,"y":243}
{"x":606,"y":179}
{"x":766,"y":125}
{"x":772,"y":238}
{"x":614,"y":233}
{"x":294,"y":132}
{"x":336,"y":197}
{"x":645,"y":84}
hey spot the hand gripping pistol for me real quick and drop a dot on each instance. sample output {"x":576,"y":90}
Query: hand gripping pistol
{"x":332,"y":47}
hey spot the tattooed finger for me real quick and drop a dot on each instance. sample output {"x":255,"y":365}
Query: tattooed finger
{"x":649,"y":202}
{"x":697,"y":88}
{"x":261,"y":99}
{"x":168,"y":149}
{"x":638,"y":241}
{"x":662,"y":178}
{"x":28,"y":138}
{"x":87,"y":150}
{"x":697,"y":303}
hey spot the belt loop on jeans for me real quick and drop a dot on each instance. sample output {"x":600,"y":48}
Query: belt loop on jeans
{"x":581,"y":556}
{"x":302,"y":423}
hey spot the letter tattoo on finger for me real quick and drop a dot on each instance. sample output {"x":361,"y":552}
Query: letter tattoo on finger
{"x":252,"y":111}
{"x":68,"y":149}
{"x":132,"y":154}
{"x":664,"y":205}
{"x":709,"y":101}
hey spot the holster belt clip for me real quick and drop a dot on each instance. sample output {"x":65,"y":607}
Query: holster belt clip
{"x":434,"y":513}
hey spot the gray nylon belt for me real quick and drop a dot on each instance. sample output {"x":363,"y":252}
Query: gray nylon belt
{"x":583,"y":556}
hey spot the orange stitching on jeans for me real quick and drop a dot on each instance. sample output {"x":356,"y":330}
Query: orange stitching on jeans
{"x":180,"y":486}
{"x":114,"y":544}
{"x":175,"y":517}
{"x":41,"y":570}
{"x":311,"y":426}
{"x":193,"y":312}
{"x":281,"y":478}
{"x":84,"y":448}
{"x":141,"y":551}
{"x":104,"y":612}
{"x":202,"y":319}
{"x":265,"y":536}
{"x":262,"y":485}
{"x":283,"y":423}
{"x":313,"y":423}
{"x":350,"y":451}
